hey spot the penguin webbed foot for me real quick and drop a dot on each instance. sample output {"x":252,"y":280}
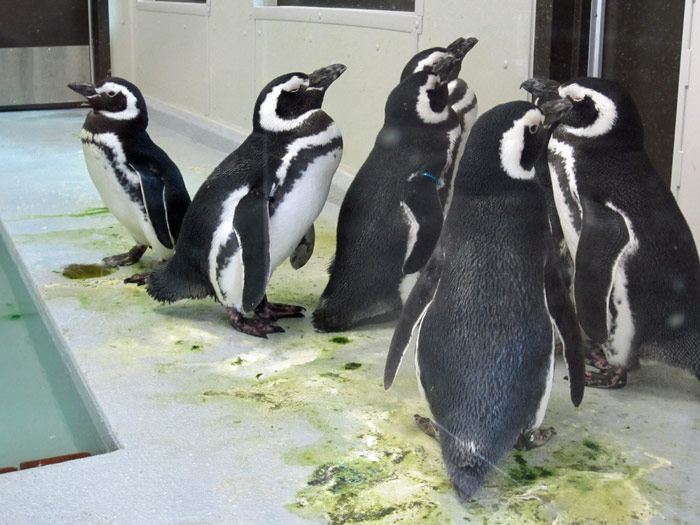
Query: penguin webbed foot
{"x":255,"y":327}
{"x":139,"y":279}
{"x":426,"y":425}
{"x":596,"y":358}
{"x":268,"y":311}
{"x":126,"y":259}
{"x":534,"y":438}
{"x":611,"y":378}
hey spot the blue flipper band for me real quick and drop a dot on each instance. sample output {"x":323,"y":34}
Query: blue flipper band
{"x":437,"y":181}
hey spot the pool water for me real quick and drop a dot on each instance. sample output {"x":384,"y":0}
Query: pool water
{"x":44,"y":412}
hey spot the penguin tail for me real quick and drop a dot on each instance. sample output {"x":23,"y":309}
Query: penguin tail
{"x":466,"y":470}
{"x":682,"y":351}
{"x":166,"y":284}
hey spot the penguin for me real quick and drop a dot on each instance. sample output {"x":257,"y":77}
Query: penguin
{"x":461,"y":98}
{"x":258,"y":206}
{"x":391,"y":215}
{"x":485,"y":311}
{"x":541,"y":91}
{"x":138,"y":182}
{"x":636,"y":269}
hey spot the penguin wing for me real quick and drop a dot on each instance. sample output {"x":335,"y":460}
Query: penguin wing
{"x":423,"y":211}
{"x":251,"y":223}
{"x":302,"y":253}
{"x":162,"y":189}
{"x":153,"y":193}
{"x":412,"y":315}
{"x":562,"y":312}
{"x":604,"y":236}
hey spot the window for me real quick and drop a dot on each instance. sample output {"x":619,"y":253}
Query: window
{"x":385,"y":5}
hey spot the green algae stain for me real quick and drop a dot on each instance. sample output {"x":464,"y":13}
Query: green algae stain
{"x":89,"y":212}
{"x":87,"y":271}
{"x":352,"y":365}
{"x":526,"y":474}
{"x":340,"y":340}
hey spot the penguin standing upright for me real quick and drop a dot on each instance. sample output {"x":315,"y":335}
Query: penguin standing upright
{"x":636,"y":269}
{"x":258,"y":206}
{"x":486,"y":308}
{"x":138,"y":182}
{"x":461,"y":98}
{"x":391,"y":215}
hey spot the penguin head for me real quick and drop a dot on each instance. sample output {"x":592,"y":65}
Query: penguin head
{"x":510,"y":136}
{"x":430,"y":57}
{"x":115,"y":99}
{"x":423,"y":96}
{"x":286,"y":102}
{"x":600,"y":108}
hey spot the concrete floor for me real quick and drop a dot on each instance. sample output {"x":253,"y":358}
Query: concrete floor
{"x":217,"y":427}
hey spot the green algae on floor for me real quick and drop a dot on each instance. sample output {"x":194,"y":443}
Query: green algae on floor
{"x":87,"y":271}
{"x":340,"y":340}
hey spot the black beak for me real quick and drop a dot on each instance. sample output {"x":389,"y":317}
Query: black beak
{"x":85,"y":89}
{"x":324,"y":77}
{"x":541,"y":88}
{"x":461,"y":47}
{"x":555,"y":109}
{"x":444,"y":68}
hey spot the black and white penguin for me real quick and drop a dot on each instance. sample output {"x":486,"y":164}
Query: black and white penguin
{"x":462,"y":99}
{"x":637,"y":275}
{"x":138,"y":182}
{"x":258,"y":206}
{"x":485,"y":310}
{"x":391,"y":215}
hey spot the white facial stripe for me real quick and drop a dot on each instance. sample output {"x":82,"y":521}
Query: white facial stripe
{"x":128,"y":113}
{"x":423,"y":108}
{"x":513,"y":143}
{"x":269,"y":119}
{"x":428,"y":61}
{"x":464,"y":102}
{"x":607,"y":112}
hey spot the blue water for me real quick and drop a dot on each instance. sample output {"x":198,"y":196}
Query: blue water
{"x":42,"y":411}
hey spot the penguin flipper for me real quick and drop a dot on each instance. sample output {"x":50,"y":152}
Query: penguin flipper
{"x":251,"y":223}
{"x":423,"y":211}
{"x":562,"y":312}
{"x":153,"y":193}
{"x":604,"y":236}
{"x":412,"y":316}
{"x":302,"y":253}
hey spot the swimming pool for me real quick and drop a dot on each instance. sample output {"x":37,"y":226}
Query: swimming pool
{"x":45,"y":410}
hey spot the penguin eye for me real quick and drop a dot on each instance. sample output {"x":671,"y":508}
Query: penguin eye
{"x":294,"y":90}
{"x":111,"y":93}
{"x":577,"y":99}
{"x":533,"y":129}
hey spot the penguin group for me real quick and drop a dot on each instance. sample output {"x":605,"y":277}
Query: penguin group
{"x":493,"y":237}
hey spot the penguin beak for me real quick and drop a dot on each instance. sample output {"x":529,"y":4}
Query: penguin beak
{"x":461,"y":47}
{"x":444,"y":68}
{"x":324,"y":77}
{"x":541,"y":88}
{"x":554,"y":110}
{"x":85,"y":89}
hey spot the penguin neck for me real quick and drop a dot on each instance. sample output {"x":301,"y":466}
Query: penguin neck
{"x":98,"y":123}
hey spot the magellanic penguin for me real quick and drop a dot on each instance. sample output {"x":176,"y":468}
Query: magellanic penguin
{"x":461,"y":97}
{"x":636,"y":269}
{"x":391,"y":215}
{"x":140,"y":185}
{"x":485,"y":310}
{"x":258,"y":205}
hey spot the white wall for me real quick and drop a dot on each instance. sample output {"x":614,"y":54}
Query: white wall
{"x":213,"y":60}
{"x":686,"y":161}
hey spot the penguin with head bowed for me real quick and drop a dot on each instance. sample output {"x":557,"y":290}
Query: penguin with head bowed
{"x":636,"y":269}
{"x":391,"y":215}
{"x":485,"y":311}
{"x":461,"y":98}
{"x":258,"y":206}
{"x":140,"y":185}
